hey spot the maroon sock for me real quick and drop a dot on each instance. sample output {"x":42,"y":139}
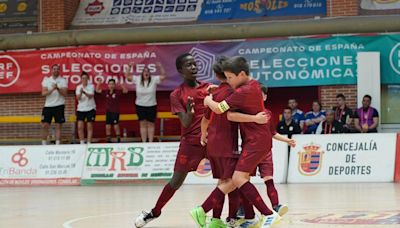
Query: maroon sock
{"x":218,"y":206}
{"x":272,"y":193}
{"x":234,"y":203}
{"x":214,"y":200}
{"x":247,"y":207}
{"x":250,"y":192}
{"x":165,"y":196}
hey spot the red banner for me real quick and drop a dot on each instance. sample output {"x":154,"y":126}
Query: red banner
{"x":23,"y":71}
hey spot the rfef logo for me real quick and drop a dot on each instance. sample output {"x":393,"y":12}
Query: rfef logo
{"x":204,"y":61}
{"x":94,"y":8}
{"x":9,"y":71}
{"x":310,"y":160}
{"x":19,"y":159}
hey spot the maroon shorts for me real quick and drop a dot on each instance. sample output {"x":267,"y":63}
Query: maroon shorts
{"x":248,"y":161}
{"x":266,"y":167}
{"x":189,"y":157}
{"x":222,"y":167}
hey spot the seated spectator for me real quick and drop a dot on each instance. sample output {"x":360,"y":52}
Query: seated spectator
{"x":366,"y":118}
{"x":330,"y":125}
{"x":288,"y":126}
{"x":298,"y":115}
{"x":314,"y":117}
{"x":343,"y":114}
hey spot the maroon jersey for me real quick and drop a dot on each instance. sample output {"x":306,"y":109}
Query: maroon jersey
{"x":222,"y":140}
{"x":248,"y":99}
{"x":112,"y":100}
{"x":192,"y":134}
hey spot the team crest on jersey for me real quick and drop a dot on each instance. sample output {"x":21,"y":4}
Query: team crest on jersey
{"x":310,"y":160}
{"x":204,"y":168}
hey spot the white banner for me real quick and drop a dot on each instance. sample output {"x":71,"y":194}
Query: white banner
{"x":342,"y":158}
{"x":380,"y":4}
{"x":127,"y":162}
{"x":41,"y":165}
{"x":100,"y":12}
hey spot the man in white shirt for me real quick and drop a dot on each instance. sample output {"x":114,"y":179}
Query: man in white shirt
{"x":55,"y":89}
{"x":86,"y":110}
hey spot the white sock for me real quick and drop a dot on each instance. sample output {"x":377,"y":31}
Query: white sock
{"x":57,"y":142}
{"x":82,"y":141}
{"x":44,"y":142}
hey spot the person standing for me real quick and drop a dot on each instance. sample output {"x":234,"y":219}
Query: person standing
{"x":146,"y":103}
{"x":86,"y":110}
{"x":366,"y":118}
{"x":343,"y":114}
{"x":54,"y":89}
{"x":112,"y":95}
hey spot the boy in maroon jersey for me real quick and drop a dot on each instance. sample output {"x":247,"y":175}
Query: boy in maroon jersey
{"x":187,"y":103}
{"x":257,"y":138}
{"x":221,"y":137}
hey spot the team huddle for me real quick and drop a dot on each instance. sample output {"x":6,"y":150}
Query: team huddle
{"x":210,"y":119}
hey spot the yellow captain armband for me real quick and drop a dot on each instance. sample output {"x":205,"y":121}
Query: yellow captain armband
{"x":223,"y":106}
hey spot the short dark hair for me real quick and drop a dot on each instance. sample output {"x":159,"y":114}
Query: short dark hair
{"x":368,"y":96}
{"x":319,"y":104}
{"x":217,"y":67}
{"x":263,"y":88}
{"x":340,"y":95}
{"x":84,"y":73}
{"x":287,"y":108}
{"x":111,"y":80}
{"x":55,"y":64}
{"x":236,"y":65}
{"x":179,"y":60}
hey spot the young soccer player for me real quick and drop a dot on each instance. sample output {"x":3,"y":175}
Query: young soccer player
{"x":187,"y":103}
{"x":257,"y":138}
{"x":86,"y":109}
{"x":221,"y":137}
{"x":112,"y":107}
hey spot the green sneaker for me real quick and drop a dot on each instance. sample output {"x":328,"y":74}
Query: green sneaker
{"x":217,"y":223}
{"x":199,"y":216}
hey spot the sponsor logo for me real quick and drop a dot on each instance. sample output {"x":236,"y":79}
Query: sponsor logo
{"x":356,"y":218}
{"x":94,"y":8}
{"x":310,"y":160}
{"x":19,"y":159}
{"x":113,"y":160}
{"x":395,"y":58}
{"x":204,"y":61}
{"x":204,"y":169}
{"x":9,"y":71}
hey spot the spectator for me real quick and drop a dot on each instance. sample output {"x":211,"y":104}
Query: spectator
{"x":366,"y":118}
{"x":298,"y":115}
{"x":55,"y":89}
{"x":330,"y":125}
{"x":288,"y":126}
{"x":343,"y":114}
{"x":86,"y":110}
{"x":314,"y":117}
{"x":112,"y":108}
{"x":146,"y":103}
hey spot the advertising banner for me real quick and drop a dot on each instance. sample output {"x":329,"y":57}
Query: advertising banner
{"x":335,"y":158}
{"x":100,"y":12}
{"x":41,"y":165}
{"x":276,"y":63}
{"x":380,"y":4}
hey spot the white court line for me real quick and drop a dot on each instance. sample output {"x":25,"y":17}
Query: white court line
{"x":68,"y":223}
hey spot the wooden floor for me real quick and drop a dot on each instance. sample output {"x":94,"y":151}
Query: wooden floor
{"x":311,"y":205}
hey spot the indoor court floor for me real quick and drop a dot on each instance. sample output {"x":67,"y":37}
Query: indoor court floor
{"x":311,"y":205}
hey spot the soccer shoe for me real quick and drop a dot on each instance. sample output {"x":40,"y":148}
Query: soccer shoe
{"x":281,"y":209}
{"x":268,"y":220}
{"x":240,"y":213}
{"x":233,"y":222}
{"x":144,"y":218}
{"x":216,"y":223}
{"x":199,"y":216}
{"x":249,"y":223}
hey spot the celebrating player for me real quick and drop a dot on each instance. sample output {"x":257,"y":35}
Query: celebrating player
{"x":187,"y":103}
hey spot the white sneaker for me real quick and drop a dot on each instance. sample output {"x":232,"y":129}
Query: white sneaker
{"x":249,"y":223}
{"x":144,"y":218}
{"x":268,"y":220}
